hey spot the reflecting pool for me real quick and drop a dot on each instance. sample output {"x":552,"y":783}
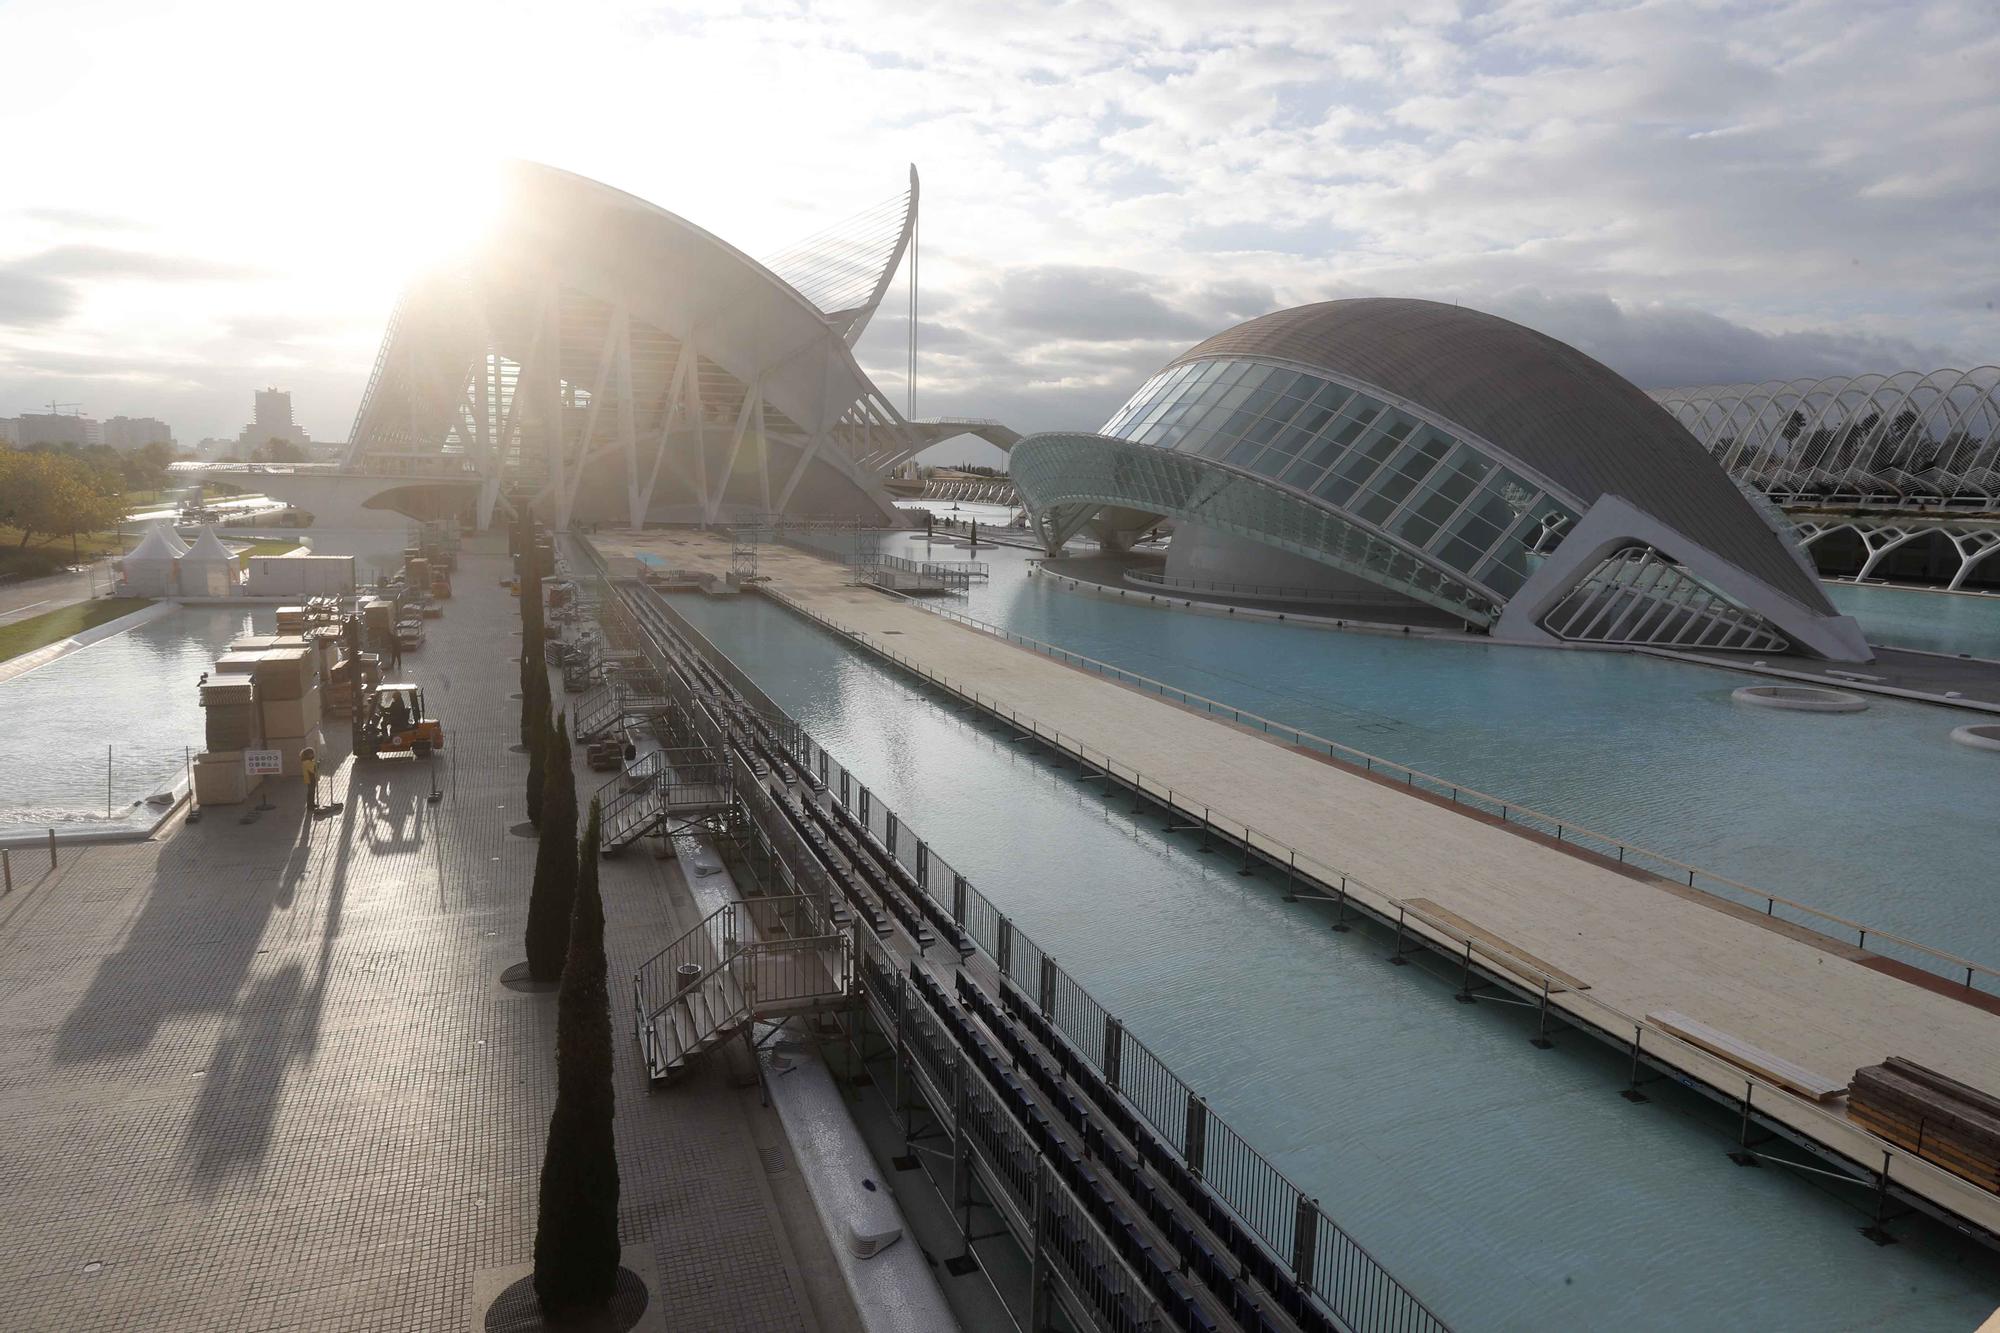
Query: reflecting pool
{"x":1876,"y":816}
{"x":127,"y":705}
{"x":1912,"y":618}
{"x":1512,"y":1188}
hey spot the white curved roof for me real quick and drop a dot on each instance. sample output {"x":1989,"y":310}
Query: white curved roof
{"x":159,"y":544}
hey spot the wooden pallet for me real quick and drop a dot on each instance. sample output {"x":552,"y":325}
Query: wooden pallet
{"x":1765,"y":1064}
{"x":1494,"y":949}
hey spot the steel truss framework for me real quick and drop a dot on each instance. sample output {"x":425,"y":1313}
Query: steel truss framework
{"x":608,"y":357}
{"x":1901,"y":438}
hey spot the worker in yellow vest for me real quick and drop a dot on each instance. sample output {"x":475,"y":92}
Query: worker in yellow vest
{"x":309,"y":770}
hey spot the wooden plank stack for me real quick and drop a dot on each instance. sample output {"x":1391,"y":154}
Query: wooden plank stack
{"x":1941,"y":1120}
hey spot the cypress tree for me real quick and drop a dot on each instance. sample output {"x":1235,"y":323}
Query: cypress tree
{"x":576,"y":1224}
{"x":533,"y":661}
{"x":535,"y":717}
{"x":549,"y":902}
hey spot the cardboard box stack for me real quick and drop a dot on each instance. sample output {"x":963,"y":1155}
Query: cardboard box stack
{"x":233,"y":724}
{"x":289,"y":701}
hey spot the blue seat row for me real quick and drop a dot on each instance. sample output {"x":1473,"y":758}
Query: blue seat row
{"x":865,"y":865}
{"x":931,"y":908}
{"x":1161,"y":1274}
{"x":1105,"y":1291}
{"x":1250,"y":1259}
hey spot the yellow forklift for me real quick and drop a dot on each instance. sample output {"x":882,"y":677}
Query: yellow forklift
{"x":391,"y":719}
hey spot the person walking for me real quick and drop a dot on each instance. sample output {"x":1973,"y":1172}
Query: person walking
{"x":309,"y":771}
{"x":395,"y":652}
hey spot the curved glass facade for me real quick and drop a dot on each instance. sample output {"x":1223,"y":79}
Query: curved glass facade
{"x":1421,"y":485}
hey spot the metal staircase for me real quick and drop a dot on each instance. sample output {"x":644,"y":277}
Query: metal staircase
{"x":657,"y":787}
{"x":759,"y":960}
{"x":600,"y":707}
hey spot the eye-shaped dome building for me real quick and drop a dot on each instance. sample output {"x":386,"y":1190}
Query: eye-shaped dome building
{"x":1396,"y":451}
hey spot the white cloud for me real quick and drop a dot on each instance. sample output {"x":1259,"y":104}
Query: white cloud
{"x":1734,"y":190}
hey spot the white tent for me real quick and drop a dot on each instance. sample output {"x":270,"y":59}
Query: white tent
{"x":173,"y":537}
{"x":208,"y":569}
{"x":149,"y":566}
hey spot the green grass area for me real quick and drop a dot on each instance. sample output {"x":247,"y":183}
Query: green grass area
{"x":24,"y":636}
{"x":50,"y":555}
{"x":264,"y":548}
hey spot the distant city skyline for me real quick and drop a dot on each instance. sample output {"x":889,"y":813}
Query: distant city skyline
{"x":1734,"y":195}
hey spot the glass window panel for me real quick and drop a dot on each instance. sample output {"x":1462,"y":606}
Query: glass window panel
{"x":1264,"y":430}
{"x":1271,"y":463}
{"x":1436,"y":506}
{"x":1216,"y":444}
{"x":1254,"y":374}
{"x":1260,"y":400}
{"x":1310,"y":422}
{"x":1332,"y":396}
{"x":1414,"y":527}
{"x":1304,"y":474}
{"x":1281,"y":381}
{"x":1366,"y":457}
{"x":1460,"y":554}
{"x":1244,"y":453}
{"x":1335,"y":488}
{"x":1234,"y":396}
{"x":1384,"y":494}
{"x":1353,"y":426}
{"x":1476,"y":530}
{"x":1397,"y":426}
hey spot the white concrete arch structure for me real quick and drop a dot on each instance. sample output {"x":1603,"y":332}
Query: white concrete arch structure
{"x":616,"y":362}
{"x":1907,"y":438}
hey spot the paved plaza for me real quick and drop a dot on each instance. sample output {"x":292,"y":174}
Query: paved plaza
{"x":266,"y":1076}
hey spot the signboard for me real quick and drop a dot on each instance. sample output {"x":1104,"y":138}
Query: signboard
{"x":264,"y":762}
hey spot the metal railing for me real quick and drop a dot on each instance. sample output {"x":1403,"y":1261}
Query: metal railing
{"x":1260,"y":591}
{"x":744,"y":958}
{"x":1952,"y":967}
{"x":1156,"y":1092}
{"x":1261,"y":1196}
{"x":1046,"y":1215}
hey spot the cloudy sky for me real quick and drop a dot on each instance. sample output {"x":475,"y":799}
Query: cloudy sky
{"x":201,"y":199}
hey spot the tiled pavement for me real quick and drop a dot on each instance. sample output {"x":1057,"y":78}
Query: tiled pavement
{"x":265,"y":1076}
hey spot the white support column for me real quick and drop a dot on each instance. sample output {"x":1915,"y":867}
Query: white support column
{"x":698,"y":410}
{"x":811,"y":451}
{"x":763,"y":456}
{"x":628,"y":424}
{"x":675,"y":409}
{"x":712,"y":502}
{"x":600,"y":379}
{"x":1973,"y":548}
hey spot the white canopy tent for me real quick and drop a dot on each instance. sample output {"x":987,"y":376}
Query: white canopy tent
{"x":150,"y":567}
{"x":208,"y":569}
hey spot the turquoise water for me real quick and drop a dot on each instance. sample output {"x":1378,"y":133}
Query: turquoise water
{"x":1511,"y":1188}
{"x":1877,"y":816}
{"x":1934,"y":622}
{"x":132,"y":695}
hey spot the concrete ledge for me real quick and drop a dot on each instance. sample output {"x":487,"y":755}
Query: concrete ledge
{"x":893,"y":1290}
{"x":1979,"y":736}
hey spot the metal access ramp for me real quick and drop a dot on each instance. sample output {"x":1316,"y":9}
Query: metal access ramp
{"x":761,"y":960}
